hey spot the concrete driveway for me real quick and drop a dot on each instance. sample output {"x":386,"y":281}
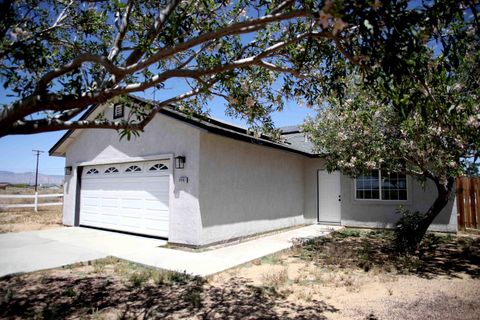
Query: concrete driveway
{"x":37,"y":250}
{"x":45,"y":249}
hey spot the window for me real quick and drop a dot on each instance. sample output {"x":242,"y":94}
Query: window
{"x":118,"y":111}
{"x":111,"y":170}
{"x":92,"y":171}
{"x":381,"y":185}
{"x":133,"y":169}
{"x":158,"y":167}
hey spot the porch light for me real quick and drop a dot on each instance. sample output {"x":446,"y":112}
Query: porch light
{"x":179,"y":162}
{"x":68,"y":170}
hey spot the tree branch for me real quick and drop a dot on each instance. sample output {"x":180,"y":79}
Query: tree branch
{"x":76,"y":63}
{"x":234,"y":29}
{"x":154,"y":31}
{"x":47,"y":125}
{"x":117,"y":44}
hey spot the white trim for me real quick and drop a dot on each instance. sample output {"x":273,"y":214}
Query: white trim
{"x":380,"y":200}
{"x":166,"y":156}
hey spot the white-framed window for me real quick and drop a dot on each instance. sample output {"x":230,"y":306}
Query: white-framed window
{"x":92,"y":171}
{"x":111,"y":170}
{"x":158,"y":167}
{"x":381,"y":185}
{"x":133,"y":168}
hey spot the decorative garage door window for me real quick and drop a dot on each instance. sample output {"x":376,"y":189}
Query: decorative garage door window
{"x":133,"y":168}
{"x":381,"y":185}
{"x":92,"y":171}
{"x":147,"y":168}
{"x":111,"y":170}
{"x":158,"y":167}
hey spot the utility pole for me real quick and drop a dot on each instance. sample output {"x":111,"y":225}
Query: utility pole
{"x":37,"y":153}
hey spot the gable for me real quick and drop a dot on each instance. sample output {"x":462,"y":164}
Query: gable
{"x":205,"y":123}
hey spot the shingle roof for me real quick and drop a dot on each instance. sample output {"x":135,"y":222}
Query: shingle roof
{"x":293,"y":138}
{"x":298,"y":141}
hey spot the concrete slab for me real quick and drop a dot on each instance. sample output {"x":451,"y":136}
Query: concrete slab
{"x":217,"y":260}
{"x":37,"y":250}
{"x":26,"y":252}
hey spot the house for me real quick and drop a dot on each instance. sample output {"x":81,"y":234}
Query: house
{"x":199,"y":181}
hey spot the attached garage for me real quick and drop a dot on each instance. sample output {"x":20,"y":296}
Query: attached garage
{"x":130,"y":197}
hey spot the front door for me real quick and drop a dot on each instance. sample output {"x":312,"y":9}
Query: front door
{"x":329,"y":194}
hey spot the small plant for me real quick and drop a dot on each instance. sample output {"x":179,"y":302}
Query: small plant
{"x":194,"y":298}
{"x":262,"y":292}
{"x":275,"y":279}
{"x":69,"y":292}
{"x":138,"y":278}
{"x":305,"y":295}
{"x":406,"y":237}
{"x":7,"y":297}
{"x":346,"y":233}
{"x":271,"y":259}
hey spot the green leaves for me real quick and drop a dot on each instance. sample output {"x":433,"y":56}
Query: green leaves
{"x":308,"y":57}
{"x":423,"y":119}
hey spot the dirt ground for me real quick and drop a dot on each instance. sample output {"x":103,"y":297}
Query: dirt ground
{"x":25,"y":219}
{"x":349,"y":275}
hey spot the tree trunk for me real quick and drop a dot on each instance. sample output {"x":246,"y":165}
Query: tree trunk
{"x":440,"y":202}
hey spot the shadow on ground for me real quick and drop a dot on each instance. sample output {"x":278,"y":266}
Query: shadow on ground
{"x":60,"y":297}
{"x":439,"y":254}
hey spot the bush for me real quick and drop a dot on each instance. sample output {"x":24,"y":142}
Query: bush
{"x":406,"y":238}
{"x":138,"y":278}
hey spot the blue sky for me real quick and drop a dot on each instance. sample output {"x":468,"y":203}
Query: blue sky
{"x":16,"y":151}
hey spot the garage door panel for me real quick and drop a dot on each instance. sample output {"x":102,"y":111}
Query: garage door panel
{"x":155,"y":205}
{"x":157,"y":225}
{"x":128,"y":202}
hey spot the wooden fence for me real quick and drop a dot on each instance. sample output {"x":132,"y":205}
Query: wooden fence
{"x":468,"y":203}
{"x":35,"y":203}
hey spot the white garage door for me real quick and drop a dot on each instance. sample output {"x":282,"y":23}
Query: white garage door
{"x":131,"y":197}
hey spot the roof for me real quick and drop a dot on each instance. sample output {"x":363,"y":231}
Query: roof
{"x":290,"y":129}
{"x":293,"y":142}
{"x":298,"y":141}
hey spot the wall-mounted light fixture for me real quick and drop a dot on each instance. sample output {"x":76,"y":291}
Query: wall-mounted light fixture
{"x":68,"y":170}
{"x":179,"y":162}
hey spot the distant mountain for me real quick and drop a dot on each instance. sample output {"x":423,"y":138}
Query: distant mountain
{"x":29,"y":178}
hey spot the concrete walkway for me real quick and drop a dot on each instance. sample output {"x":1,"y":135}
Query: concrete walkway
{"x":37,"y":250}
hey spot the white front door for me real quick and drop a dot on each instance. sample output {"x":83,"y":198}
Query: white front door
{"x":329,"y":193}
{"x":131,"y":197}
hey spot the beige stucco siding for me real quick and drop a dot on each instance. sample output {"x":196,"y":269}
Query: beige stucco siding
{"x":247,"y":189}
{"x":312,"y":165}
{"x":162,"y":136}
{"x":382,"y":214}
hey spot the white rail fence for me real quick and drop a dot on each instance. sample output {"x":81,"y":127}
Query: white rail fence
{"x":35,"y":196}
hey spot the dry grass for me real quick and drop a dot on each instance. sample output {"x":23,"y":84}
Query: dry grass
{"x":115,"y":289}
{"x":25,"y":219}
{"x":304,"y":283}
{"x":439,"y":254}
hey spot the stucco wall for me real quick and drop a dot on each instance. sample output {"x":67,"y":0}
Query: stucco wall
{"x":163,"y":135}
{"x":247,"y":189}
{"x":312,"y":165}
{"x":383,"y":214}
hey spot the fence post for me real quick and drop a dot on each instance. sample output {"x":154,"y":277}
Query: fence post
{"x":36,"y":201}
{"x":460,"y":205}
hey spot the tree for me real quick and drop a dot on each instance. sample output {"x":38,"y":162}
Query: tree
{"x":423,"y":120}
{"x":57,"y":58}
